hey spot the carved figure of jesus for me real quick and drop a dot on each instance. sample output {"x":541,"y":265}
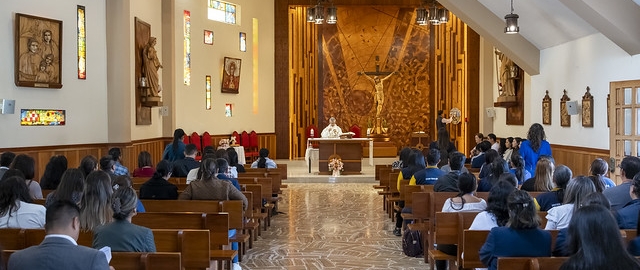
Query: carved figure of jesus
{"x":506,"y":74}
{"x":151,"y":65}
{"x":379,"y":90}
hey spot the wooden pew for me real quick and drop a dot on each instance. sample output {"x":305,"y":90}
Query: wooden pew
{"x":265,"y":195}
{"x":146,"y":261}
{"x":531,"y":263}
{"x":132,"y":260}
{"x":257,"y":214}
{"x":449,"y":229}
{"x":236,"y":221}
{"x":384,"y":185}
{"x":216,"y":223}
{"x":193,"y":245}
{"x":250,"y":223}
{"x":164,"y":206}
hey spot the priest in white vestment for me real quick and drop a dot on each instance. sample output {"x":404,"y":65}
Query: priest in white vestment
{"x":332,"y":130}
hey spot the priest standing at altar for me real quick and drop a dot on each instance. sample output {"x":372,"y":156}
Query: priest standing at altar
{"x":332,"y":130}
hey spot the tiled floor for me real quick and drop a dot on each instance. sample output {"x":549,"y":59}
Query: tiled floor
{"x":330,"y":223}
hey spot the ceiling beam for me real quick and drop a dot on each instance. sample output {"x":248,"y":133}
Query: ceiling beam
{"x":618,"y":20}
{"x":491,"y":28}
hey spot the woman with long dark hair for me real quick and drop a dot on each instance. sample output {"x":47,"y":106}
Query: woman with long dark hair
{"x":534,"y":147}
{"x":465,"y":201}
{"x":95,"y":205}
{"x":497,"y":213}
{"x":158,"y":187}
{"x":233,"y":160}
{"x":264,"y":161}
{"x":508,"y":148}
{"x":598,"y":170}
{"x":444,"y":145}
{"x":70,"y":188}
{"x":53,"y":172}
{"x":16,"y":209}
{"x":175,"y":150}
{"x":521,"y":237}
{"x":495,"y":170}
{"x":403,"y":158}
{"x":517,"y":168}
{"x":559,"y":217}
{"x":595,"y":242}
{"x":27,"y":165}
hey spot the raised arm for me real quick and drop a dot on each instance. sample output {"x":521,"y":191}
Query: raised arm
{"x":366,"y":76}
{"x":388,"y":76}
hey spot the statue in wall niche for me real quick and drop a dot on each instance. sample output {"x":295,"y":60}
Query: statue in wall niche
{"x":508,"y":74}
{"x":150,"y":66}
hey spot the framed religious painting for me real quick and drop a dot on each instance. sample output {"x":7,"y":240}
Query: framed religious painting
{"x":587,"y":109}
{"x":231,"y":75}
{"x":38,"y":51}
{"x":546,"y":109}
{"x":565,"y":118}
{"x":208,"y":37}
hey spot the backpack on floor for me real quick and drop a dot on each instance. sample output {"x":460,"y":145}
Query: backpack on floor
{"x":412,"y":243}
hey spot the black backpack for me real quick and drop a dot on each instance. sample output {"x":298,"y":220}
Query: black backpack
{"x":412,"y":243}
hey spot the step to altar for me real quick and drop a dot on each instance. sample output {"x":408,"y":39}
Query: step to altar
{"x":381,"y":149}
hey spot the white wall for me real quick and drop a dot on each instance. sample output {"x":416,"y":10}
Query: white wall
{"x":592,"y":61}
{"x":84,"y":100}
{"x":189,"y":102}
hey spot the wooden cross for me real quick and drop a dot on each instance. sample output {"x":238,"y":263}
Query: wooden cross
{"x":377,"y":72}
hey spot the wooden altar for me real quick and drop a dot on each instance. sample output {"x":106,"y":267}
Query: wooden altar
{"x":349,"y":150}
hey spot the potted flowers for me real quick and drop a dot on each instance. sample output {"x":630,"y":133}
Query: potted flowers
{"x":335,"y":166}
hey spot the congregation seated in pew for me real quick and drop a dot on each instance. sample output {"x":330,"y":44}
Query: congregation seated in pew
{"x":70,"y":188}
{"x":145,"y":165}
{"x":181,"y":167}
{"x":263,"y":160}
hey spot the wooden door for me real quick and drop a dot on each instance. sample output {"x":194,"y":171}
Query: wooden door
{"x":624,"y":114}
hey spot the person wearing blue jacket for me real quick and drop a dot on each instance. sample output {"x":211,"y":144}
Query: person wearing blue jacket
{"x":534,"y":147}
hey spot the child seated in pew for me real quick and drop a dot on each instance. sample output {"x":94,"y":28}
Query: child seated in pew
{"x":595,"y":242}
{"x":121,"y":235}
{"x":465,"y":201}
{"x":496,"y":213}
{"x":521,"y":237}
{"x":595,"y":198}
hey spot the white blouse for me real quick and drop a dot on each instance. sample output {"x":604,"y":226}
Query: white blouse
{"x":28,"y":216}
{"x":468,"y":207}
{"x":484,"y":221}
{"x":558,"y":217}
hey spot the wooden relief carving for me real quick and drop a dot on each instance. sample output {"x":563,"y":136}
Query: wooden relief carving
{"x":587,"y":109}
{"x":546,"y":109}
{"x":565,"y":118}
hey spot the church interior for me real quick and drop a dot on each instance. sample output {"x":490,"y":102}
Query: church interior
{"x":274,"y":69}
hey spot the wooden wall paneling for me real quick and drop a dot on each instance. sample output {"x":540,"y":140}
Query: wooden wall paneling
{"x":472,"y":100}
{"x":578,"y":159}
{"x":281,"y":76}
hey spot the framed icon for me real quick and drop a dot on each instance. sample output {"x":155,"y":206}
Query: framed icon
{"x":587,"y":109}
{"x":208,"y":37}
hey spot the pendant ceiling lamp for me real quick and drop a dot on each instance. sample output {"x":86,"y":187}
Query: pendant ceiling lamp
{"x":512,"y":22}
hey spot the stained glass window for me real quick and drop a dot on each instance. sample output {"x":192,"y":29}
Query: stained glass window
{"x":222,"y":11}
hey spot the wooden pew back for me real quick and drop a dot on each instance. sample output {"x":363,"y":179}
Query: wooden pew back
{"x":164,"y":206}
{"x":146,"y":261}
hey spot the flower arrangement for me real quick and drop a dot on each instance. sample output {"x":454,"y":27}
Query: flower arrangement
{"x":335,"y":165}
{"x":223,"y":144}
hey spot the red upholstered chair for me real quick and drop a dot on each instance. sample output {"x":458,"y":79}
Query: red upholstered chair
{"x":246,"y":143}
{"x":185,"y":140}
{"x":356,"y":129}
{"x":253,"y":141}
{"x":206,"y":140}
{"x":316,"y":134}
{"x":195,"y":139}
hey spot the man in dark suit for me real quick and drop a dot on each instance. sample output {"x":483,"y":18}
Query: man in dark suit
{"x":181,"y":167}
{"x":59,"y":249}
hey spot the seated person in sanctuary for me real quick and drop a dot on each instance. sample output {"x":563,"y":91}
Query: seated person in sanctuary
{"x":558,"y":217}
{"x":181,"y":167}
{"x":158,"y":187}
{"x":332,"y":130}
{"x":627,"y":216}
{"x":497,"y":213}
{"x":449,"y":182}
{"x":121,"y":235}
{"x":477,"y":161}
{"x":521,"y":237}
{"x":264,"y":161}
{"x":561,"y":177}
{"x":430,"y":175}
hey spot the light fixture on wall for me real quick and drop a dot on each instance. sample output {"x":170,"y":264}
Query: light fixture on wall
{"x":316,"y":13}
{"x":433,"y":14}
{"x":512,"y":22}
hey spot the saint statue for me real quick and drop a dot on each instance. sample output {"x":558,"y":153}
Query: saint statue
{"x":151,"y":65}
{"x":507,"y":74}
{"x":379,"y":90}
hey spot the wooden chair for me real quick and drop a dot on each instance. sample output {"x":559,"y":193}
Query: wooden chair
{"x":245,"y":142}
{"x":218,"y":225}
{"x":357,"y":130}
{"x":254,"y":145}
{"x":472,"y":242}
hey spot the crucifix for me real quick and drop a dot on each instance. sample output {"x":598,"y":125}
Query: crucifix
{"x":379,"y":89}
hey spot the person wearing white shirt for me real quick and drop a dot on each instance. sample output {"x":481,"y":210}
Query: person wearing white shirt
{"x":332,"y":130}
{"x":495,"y":144}
{"x":15,"y":210}
{"x":559,"y":217}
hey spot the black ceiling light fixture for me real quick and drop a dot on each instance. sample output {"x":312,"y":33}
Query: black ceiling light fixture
{"x":433,"y":13}
{"x":512,"y":22}
{"x":315,"y":14}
